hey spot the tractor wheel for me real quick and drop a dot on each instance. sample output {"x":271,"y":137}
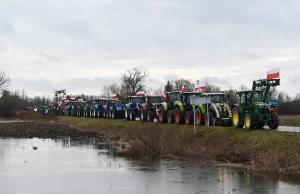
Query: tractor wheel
{"x":132,"y":115}
{"x":170,"y":116}
{"x":100,"y":113}
{"x":143,"y":116}
{"x":150,"y":117}
{"x":199,"y":118}
{"x":260,"y":125}
{"x":178,"y":118}
{"x":127,"y":114}
{"x":95,"y":113}
{"x":189,"y":117}
{"x":162,"y":117}
{"x":113,"y":115}
{"x":208,"y":119}
{"x":249,"y":121}
{"x":104,"y":114}
{"x":274,"y":123}
{"x":236,"y":118}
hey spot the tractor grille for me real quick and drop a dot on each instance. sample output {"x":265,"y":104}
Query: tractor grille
{"x":263,"y":110}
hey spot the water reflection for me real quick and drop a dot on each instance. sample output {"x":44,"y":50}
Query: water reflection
{"x":87,"y":166}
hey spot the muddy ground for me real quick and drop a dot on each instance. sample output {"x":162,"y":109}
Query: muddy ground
{"x":43,"y":130}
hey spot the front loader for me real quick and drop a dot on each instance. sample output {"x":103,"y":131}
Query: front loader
{"x":252,"y":109}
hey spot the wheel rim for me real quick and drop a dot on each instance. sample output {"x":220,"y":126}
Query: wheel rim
{"x":247,"y":121}
{"x":177,"y":116}
{"x":130,"y":114}
{"x":187,"y":119}
{"x":235,"y":117}
{"x":126,"y":114}
{"x":160,"y":114}
{"x":198,"y":117}
{"x":206,"y":118}
{"x":142,"y":115}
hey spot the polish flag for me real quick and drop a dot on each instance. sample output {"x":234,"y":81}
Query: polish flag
{"x":182,"y":89}
{"x":72,"y":99}
{"x":273,"y":73}
{"x":80,"y":100}
{"x":114,"y":96}
{"x":201,"y":86}
{"x":141,"y":93}
{"x":164,"y":96}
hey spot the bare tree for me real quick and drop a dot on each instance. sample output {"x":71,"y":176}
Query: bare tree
{"x":188,"y":86}
{"x":133,"y":81}
{"x":4,"y":81}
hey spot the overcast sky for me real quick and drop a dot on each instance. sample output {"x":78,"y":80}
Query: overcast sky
{"x":81,"y":45}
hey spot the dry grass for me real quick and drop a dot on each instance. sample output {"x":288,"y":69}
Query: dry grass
{"x":36,"y":116}
{"x":261,"y":150}
{"x":290,"y":120}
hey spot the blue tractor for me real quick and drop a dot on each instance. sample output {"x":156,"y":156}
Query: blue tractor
{"x":96,"y":109}
{"x":133,"y":107}
{"x":115,"y":109}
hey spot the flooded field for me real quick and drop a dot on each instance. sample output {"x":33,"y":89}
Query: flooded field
{"x":66,"y":166}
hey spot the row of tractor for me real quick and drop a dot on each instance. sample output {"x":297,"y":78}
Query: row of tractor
{"x":253,"y":109}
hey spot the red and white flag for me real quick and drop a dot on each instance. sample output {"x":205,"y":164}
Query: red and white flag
{"x":200,"y":86}
{"x":182,"y":89}
{"x":141,"y":93}
{"x":273,"y":73}
{"x":164,"y":96}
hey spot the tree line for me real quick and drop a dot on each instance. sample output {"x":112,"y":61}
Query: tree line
{"x":131,"y":82}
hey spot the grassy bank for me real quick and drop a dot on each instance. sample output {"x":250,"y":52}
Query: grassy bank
{"x":260,"y":150}
{"x":290,"y":120}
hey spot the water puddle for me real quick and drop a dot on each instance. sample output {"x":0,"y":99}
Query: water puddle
{"x":88,"y":166}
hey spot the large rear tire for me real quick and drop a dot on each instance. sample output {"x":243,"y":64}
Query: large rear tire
{"x":189,"y":117}
{"x":236,"y":118}
{"x":274,"y":123}
{"x":170,"y":116}
{"x":162,"y":115}
{"x":178,"y":117}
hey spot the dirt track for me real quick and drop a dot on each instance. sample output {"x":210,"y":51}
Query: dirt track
{"x":30,"y":129}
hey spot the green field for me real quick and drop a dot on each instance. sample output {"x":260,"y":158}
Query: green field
{"x":268,"y":151}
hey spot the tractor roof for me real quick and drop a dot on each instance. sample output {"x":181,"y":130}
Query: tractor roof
{"x":213,"y":94}
{"x":173,"y":92}
{"x":136,"y":96}
{"x":248,"y":91}
{"x":154,"y":96}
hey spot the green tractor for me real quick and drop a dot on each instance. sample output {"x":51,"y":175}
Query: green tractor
{"x":177,"y":108}
{"x":252,"y":109}
{"x":219,"y":112}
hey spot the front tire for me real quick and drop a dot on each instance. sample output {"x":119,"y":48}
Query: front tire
{"x":162,"y":117}
{"x":132,"y":115}
{"x":274,"y":123}
{"x":127,"y":114}
{"x":150,"y":117}
{"x":143,"y":116}
{"x":249,"y":121}
{"x":189,"y":117}
{"x":170,"y":116}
